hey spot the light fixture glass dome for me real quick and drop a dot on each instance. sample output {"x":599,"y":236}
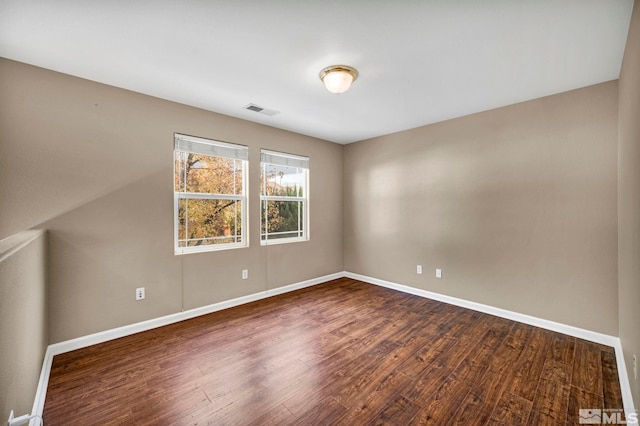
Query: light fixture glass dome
{"x":338,"y":78}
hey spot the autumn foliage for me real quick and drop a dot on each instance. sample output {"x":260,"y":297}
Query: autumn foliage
{"x":211,"y":191}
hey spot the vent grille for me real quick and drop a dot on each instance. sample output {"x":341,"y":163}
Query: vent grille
{"x":261,"y":110}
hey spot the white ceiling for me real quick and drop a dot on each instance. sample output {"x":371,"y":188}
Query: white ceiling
{"x":420,"y":62}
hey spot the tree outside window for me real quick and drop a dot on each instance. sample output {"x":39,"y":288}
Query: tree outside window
{"x":210,"y":194}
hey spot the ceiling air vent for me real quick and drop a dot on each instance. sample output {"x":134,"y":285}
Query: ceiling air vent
{"x":259,"y":109}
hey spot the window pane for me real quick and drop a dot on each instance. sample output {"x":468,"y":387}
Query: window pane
{"x":206,"y":174}
{"x":207,"y":222}
{"x":282,"y":219}
{"x":283,"y":181}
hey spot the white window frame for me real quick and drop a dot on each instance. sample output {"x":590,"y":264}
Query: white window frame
{"x":192,"y":144}
{"x":282,"y":159}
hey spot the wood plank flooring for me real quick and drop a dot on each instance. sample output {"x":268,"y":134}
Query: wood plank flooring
{"x":340,"y":353}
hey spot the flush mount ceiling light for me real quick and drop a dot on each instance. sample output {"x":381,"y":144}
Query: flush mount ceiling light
{"x":338,"y":78}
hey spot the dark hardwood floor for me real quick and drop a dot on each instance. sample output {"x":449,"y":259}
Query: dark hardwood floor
{"x":343,"y":352}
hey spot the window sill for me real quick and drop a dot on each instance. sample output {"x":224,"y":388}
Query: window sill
{"x":283,"y":241}
{"x":207,"y":249}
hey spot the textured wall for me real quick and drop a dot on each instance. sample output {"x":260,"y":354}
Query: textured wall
{"x":629,"y":200}
{"x":93,"y":164}
{"x":23,"y":320}
{"x":517,"y":205}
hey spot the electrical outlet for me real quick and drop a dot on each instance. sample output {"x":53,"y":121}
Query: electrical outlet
{"x":635,"y":367}
{"x":438,"y":273}
{"x":245,"y":274}
{"x":419,"y":269}
{"x":140,"y":293}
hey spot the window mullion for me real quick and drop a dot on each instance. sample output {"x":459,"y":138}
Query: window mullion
{"x":299,"y":222}
{"x":186,"y":202}
{"x":208,"y":196}
{"x":282,"y":198}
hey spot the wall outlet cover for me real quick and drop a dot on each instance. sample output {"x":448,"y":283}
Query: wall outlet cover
{"x":140,"y":293}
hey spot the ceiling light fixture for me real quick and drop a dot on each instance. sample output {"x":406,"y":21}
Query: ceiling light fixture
{"x":338,"y":78}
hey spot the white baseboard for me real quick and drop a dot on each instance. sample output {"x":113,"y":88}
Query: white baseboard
{"x":92,"y":339}
{"x":127,"y":330}
{"x":592,"y":336}
{"x":43,"y":382}
{"x":581,"y":333}
{"x":625,"y":386}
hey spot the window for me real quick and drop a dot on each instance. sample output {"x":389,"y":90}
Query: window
{"x":210,"y":196}
{"x":284,"y":197}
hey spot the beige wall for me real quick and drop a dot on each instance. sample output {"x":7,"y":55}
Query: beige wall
{"x":93,"y":165}
{"x":516,"y":205}
{"x":23,"y":322}
{"x":629,"y":200}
